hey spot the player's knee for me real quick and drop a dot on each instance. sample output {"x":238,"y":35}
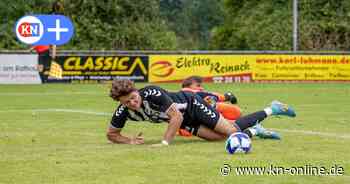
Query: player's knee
{"x":225,"y":128}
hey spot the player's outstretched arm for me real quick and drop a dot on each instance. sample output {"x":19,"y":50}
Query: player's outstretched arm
{"x":175,"y":121}
{"x":115,"y":136}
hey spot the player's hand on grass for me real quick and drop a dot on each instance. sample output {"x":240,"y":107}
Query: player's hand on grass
{"x":162,"y":144}
{"x":138,"y":139}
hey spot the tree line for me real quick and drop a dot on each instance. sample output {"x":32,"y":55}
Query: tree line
{"x":188,"y":24}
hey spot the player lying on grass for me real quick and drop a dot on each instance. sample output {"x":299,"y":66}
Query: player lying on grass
{"x":229,"y":111}
{"x":178,"y":109}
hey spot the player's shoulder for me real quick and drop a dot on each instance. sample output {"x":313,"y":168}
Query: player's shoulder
{"x":121,"y":109}
{"x":152,"y":90}
{"x":151,"y":87}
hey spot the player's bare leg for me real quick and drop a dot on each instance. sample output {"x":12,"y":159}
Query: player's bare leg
{"x":222,"y":130}
{"x":209,"y":134}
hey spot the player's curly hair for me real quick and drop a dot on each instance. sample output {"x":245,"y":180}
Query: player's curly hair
{"x":121,"y":88}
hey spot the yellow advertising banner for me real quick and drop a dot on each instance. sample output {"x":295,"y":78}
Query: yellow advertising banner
{"x":250,"y":68}
{"x":102,"y":68}
{"x":166,"y":68}
{"x":302,"y":67}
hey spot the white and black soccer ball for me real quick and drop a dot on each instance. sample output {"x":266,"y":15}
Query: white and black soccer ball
{"x":238,"y":142}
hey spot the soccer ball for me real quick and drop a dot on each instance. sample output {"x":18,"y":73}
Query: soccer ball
{"x":238,"y":142}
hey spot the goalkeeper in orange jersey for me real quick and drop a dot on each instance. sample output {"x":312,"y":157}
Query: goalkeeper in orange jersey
{"x":229,"y":111}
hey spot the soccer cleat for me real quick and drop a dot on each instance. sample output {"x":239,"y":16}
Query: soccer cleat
{"x":265,"y":134}
{"x":279,"y":108}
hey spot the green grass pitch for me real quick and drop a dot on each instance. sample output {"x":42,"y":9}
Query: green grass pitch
{"x":56,"y":134}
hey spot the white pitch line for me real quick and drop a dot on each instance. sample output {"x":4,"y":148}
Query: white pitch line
{"x":59,"y":110}
{"x":49,"y":93}
{"x":73,"y":111}
{"x":305,"y":132}
{"x":309,"y":132}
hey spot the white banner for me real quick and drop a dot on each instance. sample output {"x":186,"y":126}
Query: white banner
{"x":19,"y":69}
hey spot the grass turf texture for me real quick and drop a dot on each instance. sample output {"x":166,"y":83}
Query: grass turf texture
{"x":42,"y":141}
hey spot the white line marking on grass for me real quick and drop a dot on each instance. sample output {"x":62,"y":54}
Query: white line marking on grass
{"x":59,"y":110}
{"x":49,"y":93}
{"x":305,"y":132}
{"x":309,"y":132}
{"x":73,"y":111}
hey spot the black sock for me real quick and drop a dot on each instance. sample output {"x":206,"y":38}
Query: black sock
{"x":250,"y":119}
{"x":248,"y":132}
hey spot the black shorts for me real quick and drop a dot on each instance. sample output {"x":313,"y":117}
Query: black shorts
{"x":199,"y":112}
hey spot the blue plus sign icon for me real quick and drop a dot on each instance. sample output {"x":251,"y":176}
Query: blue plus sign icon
{"x":44,"y":29}
{"x":57,"y":29}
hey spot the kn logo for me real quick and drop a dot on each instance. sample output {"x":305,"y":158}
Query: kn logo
{"x":29,"y":29}
{"x":162,"y":69}
{"x":44,"y":29}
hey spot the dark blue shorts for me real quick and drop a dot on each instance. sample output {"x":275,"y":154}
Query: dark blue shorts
{"x":198,"y":113}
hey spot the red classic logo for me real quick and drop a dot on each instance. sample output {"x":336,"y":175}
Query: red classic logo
{"x":162,"y":69}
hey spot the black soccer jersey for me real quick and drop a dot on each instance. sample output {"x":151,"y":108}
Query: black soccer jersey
{"x":155,"y":103}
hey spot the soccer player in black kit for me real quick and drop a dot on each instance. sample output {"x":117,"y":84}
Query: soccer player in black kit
{"x":180,"y":110}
